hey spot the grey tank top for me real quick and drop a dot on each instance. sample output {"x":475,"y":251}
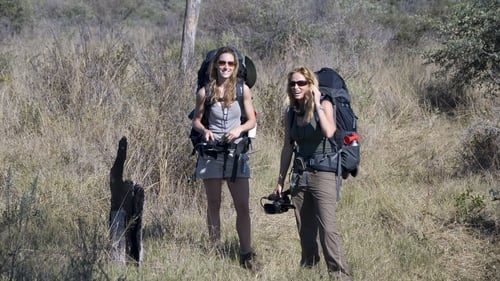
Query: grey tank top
{"x":223,"y":119}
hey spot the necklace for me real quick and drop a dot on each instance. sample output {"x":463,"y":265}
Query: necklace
{"x":300,"y":112}
{"x":224,"y":113}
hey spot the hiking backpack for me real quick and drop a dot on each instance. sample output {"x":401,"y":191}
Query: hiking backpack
{"x":345,"y":141}
{"x":246,"y":74}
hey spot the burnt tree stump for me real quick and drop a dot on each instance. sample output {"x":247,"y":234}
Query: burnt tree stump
{"x":125,"y":216}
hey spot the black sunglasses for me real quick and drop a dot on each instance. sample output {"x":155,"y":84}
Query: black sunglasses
{"x":300,"y":83}
{"x":223,"y":63}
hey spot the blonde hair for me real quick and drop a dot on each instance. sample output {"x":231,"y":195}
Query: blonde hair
{"x":308,"y":97}
{"x":230,"y":86}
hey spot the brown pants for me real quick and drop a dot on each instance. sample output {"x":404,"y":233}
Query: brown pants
{"x":315,"y":214}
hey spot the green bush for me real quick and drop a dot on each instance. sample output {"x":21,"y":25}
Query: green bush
{"x":470,"y":51}
{"x":14,"y":15}
{"x":469,"y":207}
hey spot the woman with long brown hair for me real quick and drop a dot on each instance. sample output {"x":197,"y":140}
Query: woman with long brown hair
{"x":225,"y":131}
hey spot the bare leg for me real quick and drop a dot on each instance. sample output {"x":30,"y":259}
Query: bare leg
{"x":213,"y":188}
{"x":240,"y":192}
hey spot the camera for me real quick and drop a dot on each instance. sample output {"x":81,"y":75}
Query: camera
{"x":279,"y":204}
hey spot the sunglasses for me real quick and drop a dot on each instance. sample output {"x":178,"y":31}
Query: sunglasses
{"x":300,"y":83}
{"x":223,"y":63}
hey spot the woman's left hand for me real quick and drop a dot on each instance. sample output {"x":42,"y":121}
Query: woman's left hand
{"x":233,"y":134}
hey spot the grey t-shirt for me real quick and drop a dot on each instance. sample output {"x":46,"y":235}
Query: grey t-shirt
{"x":223,"y":119}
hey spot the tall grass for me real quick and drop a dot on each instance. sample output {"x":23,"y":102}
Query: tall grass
{"x":67,"y":95}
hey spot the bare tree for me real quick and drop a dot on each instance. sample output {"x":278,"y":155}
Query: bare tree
{"x":189,"y":33}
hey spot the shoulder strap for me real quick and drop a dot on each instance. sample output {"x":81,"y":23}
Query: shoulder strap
{"x":239,"y":89}
{"x":291,"y":116}
{"x":208,"y":96}
{"x":239,"y":97}
{"x":208,"y":104}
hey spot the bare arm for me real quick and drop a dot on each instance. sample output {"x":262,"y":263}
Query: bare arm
{"x":249,"y":113}
{"x":324,"y":110}
{"x":286,"y":155}
{"x":198,"y":114}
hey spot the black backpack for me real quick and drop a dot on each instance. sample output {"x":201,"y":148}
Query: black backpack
{"x":345,"y":141}
{"x":246,"y":74}
{"x":332,"y":86}
{"x":246,"y":69}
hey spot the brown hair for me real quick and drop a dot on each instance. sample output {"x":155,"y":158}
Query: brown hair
{"x":230,"y":86}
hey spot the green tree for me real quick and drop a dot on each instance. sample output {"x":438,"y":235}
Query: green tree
{"x":471,"y":43}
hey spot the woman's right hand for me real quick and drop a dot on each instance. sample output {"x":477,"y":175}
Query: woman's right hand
{"x":209,"y":136}
{"x":278,"y":189}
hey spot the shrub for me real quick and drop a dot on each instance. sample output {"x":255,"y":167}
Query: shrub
{"x":480,"y":149}
{"x":14,"y":15}
{"x":470,"y":51}
{"x":18,"y":222}
{"x":440,"y":95}
{"x":281,"y":31}
{"x":469,"y":207}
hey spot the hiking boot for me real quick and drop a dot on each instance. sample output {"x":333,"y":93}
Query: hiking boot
{"x":247,"y":261}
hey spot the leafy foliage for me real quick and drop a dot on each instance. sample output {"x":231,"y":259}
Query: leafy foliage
{"x":471,"y":44}
{"x":469,"y":207}
{"x":14,"y":15}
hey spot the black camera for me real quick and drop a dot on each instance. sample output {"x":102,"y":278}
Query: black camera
{"x":279,"y":204}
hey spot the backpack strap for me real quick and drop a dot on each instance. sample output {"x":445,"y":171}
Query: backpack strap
{"x":208,"y":104}
{"x":337,"y":149}
{"x":239,"y":150}
{"x":239,"y":97}
{"x":291,"y":117}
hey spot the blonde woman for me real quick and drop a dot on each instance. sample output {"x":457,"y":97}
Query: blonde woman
{"x":308,"y":121}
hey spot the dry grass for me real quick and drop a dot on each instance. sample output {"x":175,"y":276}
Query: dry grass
{"x":67,"y":101}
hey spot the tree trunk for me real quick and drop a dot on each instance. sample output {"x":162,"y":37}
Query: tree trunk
{"x":189,"y":33}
